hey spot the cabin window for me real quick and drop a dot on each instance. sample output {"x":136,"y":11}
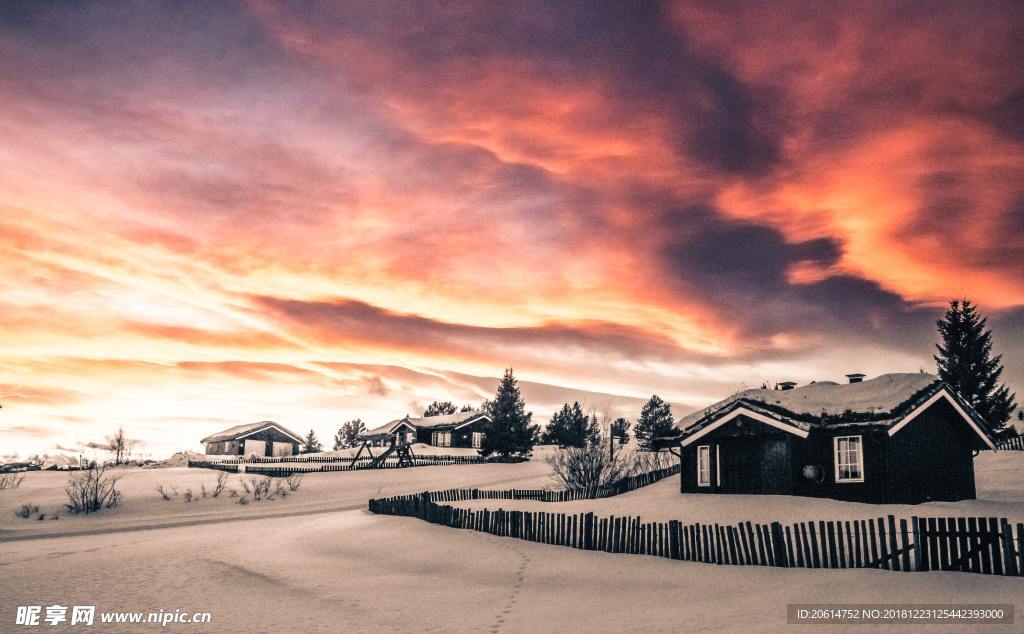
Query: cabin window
{"x":849,"y":459}
{"x":478,"y":439}
{"x":442,"y":439}
{"x":704,"y":466}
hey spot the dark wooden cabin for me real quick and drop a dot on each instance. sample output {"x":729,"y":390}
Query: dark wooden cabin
{"x":265,"y":438}
{"x":898,"y":438}
{"x":462,"y":429}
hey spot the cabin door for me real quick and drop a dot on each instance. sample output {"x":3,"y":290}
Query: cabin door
{"x":774,"y":460}
{"x":738,"y":465}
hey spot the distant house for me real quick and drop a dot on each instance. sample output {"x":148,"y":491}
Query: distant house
{"x":265,"y":438}
{"x":898,"y":438}
{"x":463,"y":429}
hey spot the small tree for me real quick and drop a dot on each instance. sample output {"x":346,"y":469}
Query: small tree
{"x":310,"y":444}
{"x":965,"y":362}
{"x":570,"y":427}
{"x":466,"y":408}
{"x":620,"y":430}
{"x":121,"y":446}
{"x":509,"y":433}
{"x":440,"y":408}
{"x":348,"y":434}
{"x":655,"y":420}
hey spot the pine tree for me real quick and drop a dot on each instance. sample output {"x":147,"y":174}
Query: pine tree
{"x":570,"y":427}
{"x":348,"y":435}
{"x":965,"y":362}
{"x":310,"y":444}
{"x":440,"y":408}
{"x":620,"y":430}
{"x":655,"y":420}
{"x":509,"y":433}
{"x":466,"y":408}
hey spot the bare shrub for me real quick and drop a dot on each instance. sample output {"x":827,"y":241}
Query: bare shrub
{"x":10,"y":480}
{"x":91,"y":490}
{"x":294,"y":481}
{"x":260,"y":488}
{"x":588,"y":467}
{"x":222,"y":482}
{"x":645,"y":461}
{"x":26,"y":511}
{"x":164,"y":493}
{"x":243,"y":500}
{"x":187,"y":495}
{"x":280,"y":488}
{"x":232,"y":493}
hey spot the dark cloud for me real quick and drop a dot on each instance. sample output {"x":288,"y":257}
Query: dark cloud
{"x":742,"y":269}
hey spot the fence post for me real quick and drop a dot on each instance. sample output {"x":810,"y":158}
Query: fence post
{"x":779,"y":546}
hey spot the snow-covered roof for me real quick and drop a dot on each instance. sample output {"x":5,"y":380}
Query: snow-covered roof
{"x":429,"y":422}
{"x":876,"y":399}
{"x":241,"y":430}
{"x":889,"y":401}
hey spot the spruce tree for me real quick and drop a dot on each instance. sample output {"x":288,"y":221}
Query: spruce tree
{"x":570,"y":427}
{"x":440,"y":408}
{"x":965,"y":362}
{"x":348,"y":435}
{"x":466,"y":408}
{"x":311,"y":444}
{"x":620,"y":430}
{"x":509,"y":433}
{"x":655,"y":420}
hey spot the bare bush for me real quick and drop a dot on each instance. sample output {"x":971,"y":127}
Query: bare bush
{"x":26,"y":511}
{"x":645,"y":461}
{"x":243,"y":500}
{"x":10,"y":480}
{"x":187,"y":496}
{"x":280,"y":488}
{"x":91,"y":490}
{"x":588,"y":467}
{"x":222,"y":482}
{"x":164,"y":493}
{"x":258,"y":487}
{"x":294,"y":481}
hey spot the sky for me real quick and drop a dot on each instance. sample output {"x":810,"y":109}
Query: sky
{"x":218,"y":213}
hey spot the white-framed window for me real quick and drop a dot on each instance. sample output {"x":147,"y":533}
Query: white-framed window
{"x":849,"y":454}
{"x":704,"y":466}
{"x":478,"y":439}
{"x":441,"y":439}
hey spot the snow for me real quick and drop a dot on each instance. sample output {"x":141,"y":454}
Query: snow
{"x":354,"y":571}
{"x":329,"y":565}
{"x":880,"y":395}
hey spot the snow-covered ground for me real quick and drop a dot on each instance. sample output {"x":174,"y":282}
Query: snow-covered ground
{"x":344,"y":570}
{"x":999,"y":477}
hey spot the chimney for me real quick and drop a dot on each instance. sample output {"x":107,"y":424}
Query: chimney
{"x":787,"y":385}
{"x":856,"y":377}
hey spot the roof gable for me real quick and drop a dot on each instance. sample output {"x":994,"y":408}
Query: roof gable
{"x":239,"y":431}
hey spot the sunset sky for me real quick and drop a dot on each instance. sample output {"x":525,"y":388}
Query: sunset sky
{"x":217,"y":213}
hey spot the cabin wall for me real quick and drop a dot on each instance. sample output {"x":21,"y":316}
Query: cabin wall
{"x":237,"y":447}
{"x":932,"y":458}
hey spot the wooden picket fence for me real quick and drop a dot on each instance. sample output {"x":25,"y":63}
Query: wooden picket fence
{"x":1015,"y":443}
{"x":277,"y":467}
{"x":966,"y":544}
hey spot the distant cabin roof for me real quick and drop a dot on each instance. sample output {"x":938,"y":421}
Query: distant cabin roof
{"x":879,"y":402}
{"x":235,"y":432}
{"x":428,"y":422}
